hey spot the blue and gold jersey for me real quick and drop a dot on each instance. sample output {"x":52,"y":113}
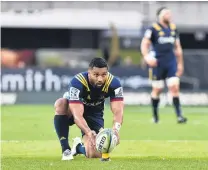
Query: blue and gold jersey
{"x":163,"y":41}
{"x":93,"y":98}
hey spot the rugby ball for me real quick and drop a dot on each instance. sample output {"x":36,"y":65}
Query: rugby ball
{"x":106,"y":141}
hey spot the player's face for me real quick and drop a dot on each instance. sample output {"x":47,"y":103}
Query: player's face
{"x":98,"y":76}
{"x":167,"y":17}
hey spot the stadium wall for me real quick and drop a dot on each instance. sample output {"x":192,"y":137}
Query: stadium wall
{"x":56,"y":79}
{"x":44,"y":86}
{"x":130,"y":98}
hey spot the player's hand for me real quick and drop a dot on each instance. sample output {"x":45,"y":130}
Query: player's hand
{"x":117,"y":135}
{"x":91,"y":137}
{"x":179,"y":70}
{"x":150,"y":60}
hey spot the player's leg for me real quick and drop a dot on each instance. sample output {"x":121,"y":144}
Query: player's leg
{"x":95,"y":124}
{"x":78,"y":147}
{"x":173,"y":84}
{"x":85,"y":148}
{"x":62,"y":120}
{"x":157,"y":87}
{"x":155,"y":98}
{"x":91,"y":151}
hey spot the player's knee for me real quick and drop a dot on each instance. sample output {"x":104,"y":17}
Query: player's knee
{"x":157,"y":87}
{"x":61,"y":106}
{"x":173,"y":82}
{"x":173,"y":85}
{"x":174,"y":90}
{"x":156,"y":92}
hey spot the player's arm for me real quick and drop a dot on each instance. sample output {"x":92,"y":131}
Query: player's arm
{"x":117,"y":108}
{"x":117,"y":105}
{"x":145,"y":48}
{"x":76,"y":106}
{"x":179,"y":55}
{"x":146,"y":43}
{"x":77,"y":110}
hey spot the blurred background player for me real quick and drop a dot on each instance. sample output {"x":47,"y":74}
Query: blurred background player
{"x":112,"y":53}
{"x":165,"y":61}
{"x":83,"y":105}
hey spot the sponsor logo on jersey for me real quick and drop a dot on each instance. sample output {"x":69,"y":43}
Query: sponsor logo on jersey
{"x":87,"y":103}
{"x":74,"y":93}
{"x":165,"y":40}
{"x":119,"y":92}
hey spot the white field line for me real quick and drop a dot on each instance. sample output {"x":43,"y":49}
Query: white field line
{"x":125,"y":140}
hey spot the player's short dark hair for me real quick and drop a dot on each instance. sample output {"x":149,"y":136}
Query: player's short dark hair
{"x":98,"y":62}
{"x":160,"y":9}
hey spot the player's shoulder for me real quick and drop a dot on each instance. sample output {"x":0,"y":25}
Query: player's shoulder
{"x":155,"y":26}
{"x":152,"y":29}
{"x":80,"y":76}
{"x":79,"y":79}
{"x":173,"y":26}
{"x":111,"y":82}
{"x":84,"y":74}
{"x":115,"y":82}
{"x":116,"y":89}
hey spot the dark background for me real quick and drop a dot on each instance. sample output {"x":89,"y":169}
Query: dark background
{"x":33,"y":38}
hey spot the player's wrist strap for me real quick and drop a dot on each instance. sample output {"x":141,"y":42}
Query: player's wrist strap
{"x":117,"y":126}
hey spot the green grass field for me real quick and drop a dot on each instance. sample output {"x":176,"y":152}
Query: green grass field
{"x":29,"y":141}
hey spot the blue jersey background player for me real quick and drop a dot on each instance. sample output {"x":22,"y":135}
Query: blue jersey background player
{"x":83,"y":105}
{"x":165,"y":60}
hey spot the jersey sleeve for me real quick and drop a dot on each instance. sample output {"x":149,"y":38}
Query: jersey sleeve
{"x":149,"y":34}
{"x":74,"y":94}
{"x":116,"y":90}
